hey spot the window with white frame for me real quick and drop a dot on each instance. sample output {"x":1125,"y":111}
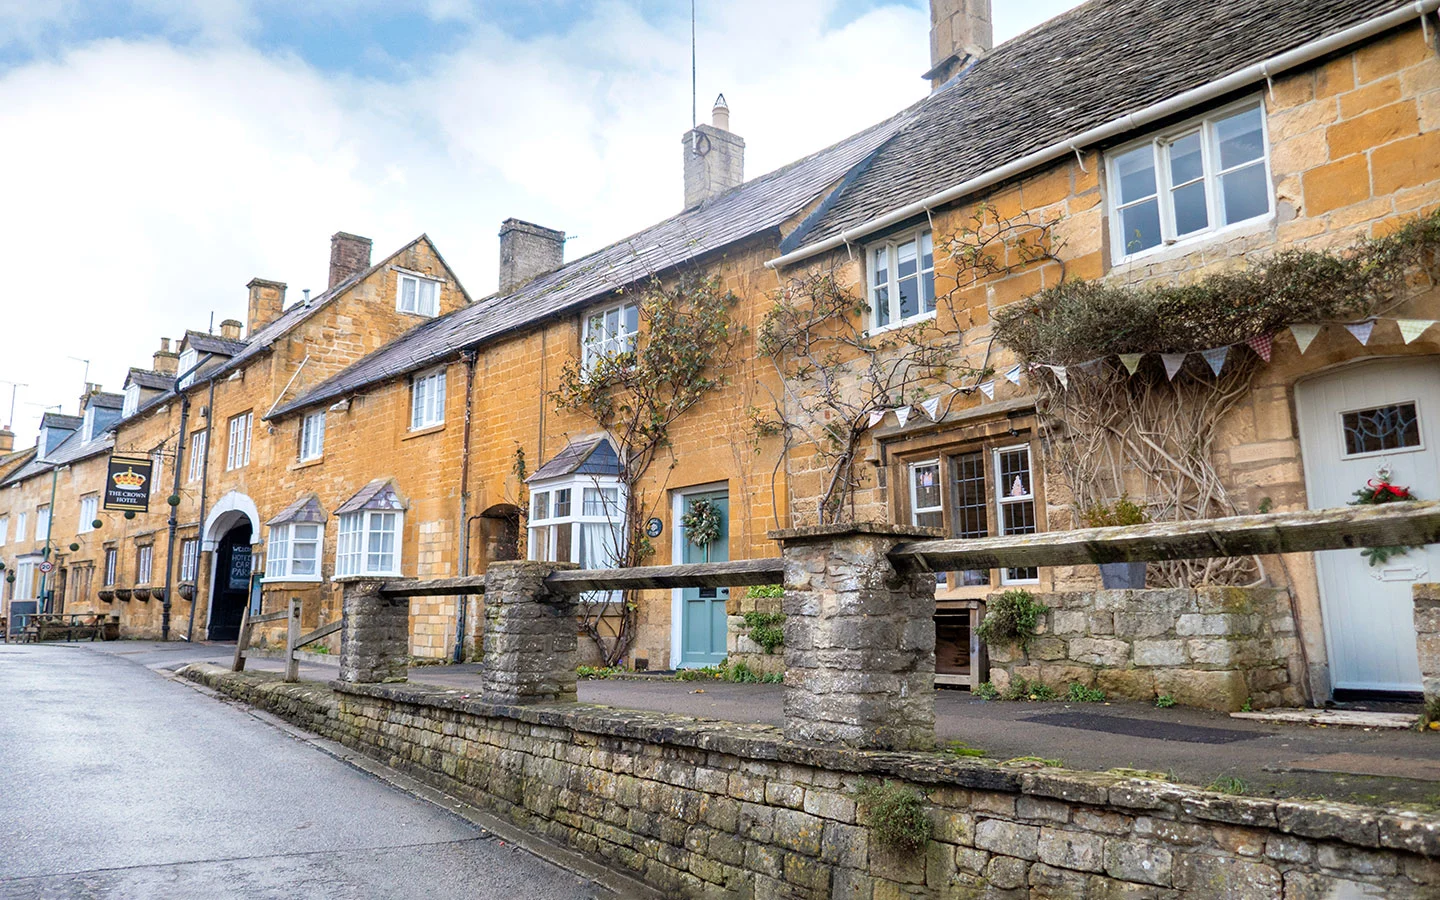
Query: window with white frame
{"x":112,"y":566}
{"x":294,"y":551}
{"x":188,"y":359}
{"x":901,"y":279}
{"x":26,"y":584}
{"x":42,"y":523}
{"x":1015,"y":494}
{"x":21,"y":520}
{"x":427,"y":400}
{"x":199,"y":445}
{"x":1190,"y":181}
{"x":609,"y":332}
{"x":189,"y":559}
{"x":132,"y":401}
{"x":312,"y":436}
{"x":87,"y":427}
{"x":144,"y":559}
{"x":237,"y":454}
{"x":368,"y":543}
{"x":418,"y":295}
{"x":579,"y":520}
{"x":4,"y":530}
{"x":89,"y":509}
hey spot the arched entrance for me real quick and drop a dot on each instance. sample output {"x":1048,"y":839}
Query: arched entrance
{"x":231,"y":528}
{"x":500,"y":532}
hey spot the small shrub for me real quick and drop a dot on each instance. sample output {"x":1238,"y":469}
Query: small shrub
{"x":959,"y":748}
{"x":1079,"y":693}
{"x":737,"y":672}
{"x":766,"y":629}
{"x":766,"y":592}
{"x":1245,"y":707}
{"x":1229,"y":785}
{"x":897,"y":815}
{"x":986,"y":690}
{"x":1034,"y":691}
{"x":599,"y":672}
{"x":1014,"y":617}
{"x":1164,"y":701}
{"x":1123,"y":511}
{"x":708,"y":673}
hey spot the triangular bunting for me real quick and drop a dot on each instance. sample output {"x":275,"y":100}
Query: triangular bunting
{"x":1304,"y":335}
{"x":1013,"y":376}
{"x":1410,"y":329}
{"x":1263,"y":345}
{"x":1063,"y":374}
{"x":988,"y":389}
{"x":1216,"y":358}
{"x":1088,"y":364}
{"x":1131,"y":361}
{"x":1173,"y":362}
{"x":932,"y":408}
{"x":876,"y":417}
{"x":1361,"y":330}
{"x":902,"y":413}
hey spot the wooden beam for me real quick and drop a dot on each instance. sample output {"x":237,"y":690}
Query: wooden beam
{"x":317,"y":634}
{"x":270,"y":617}
{"x":438,"y":587}
{"x":1346,"y":527}
{"x":740,"y":573}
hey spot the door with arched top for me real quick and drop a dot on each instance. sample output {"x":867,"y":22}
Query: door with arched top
{"x":230,"y":577}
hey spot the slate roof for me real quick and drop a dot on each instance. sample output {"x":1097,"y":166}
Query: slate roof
{"x":155,"y":381}
{"x":306,"y":509}
{"x":60,"y":421}
{"x":378,"y":494}
{"x":204,"y":342}
{"x":1079,"y":70}
{"x":593,"y":456}
{"x":753,"y":207}
{"x":70,"y":450}
{"x":106,"y":401}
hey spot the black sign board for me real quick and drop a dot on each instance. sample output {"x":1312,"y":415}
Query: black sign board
{"x":127,"y":484}
{"x":240,"y":568}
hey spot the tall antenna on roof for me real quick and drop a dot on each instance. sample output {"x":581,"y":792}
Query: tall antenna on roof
{"x":694,"y":83}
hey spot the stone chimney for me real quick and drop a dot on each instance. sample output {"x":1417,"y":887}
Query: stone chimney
{"x":960,"y":30}
{"x":349,"y":255}
{"x":7,"y":440}
{"x":528,"y":251}
{"x":267,"y":302}
{"x":714,"y":158}
{"x":165,"y":359}
{"x":91,"y":389}
{"x":230,"y":329}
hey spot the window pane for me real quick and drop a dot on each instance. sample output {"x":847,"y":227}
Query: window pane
{"x":1014,"y":468}
{"x":971,"y":508}
{"x":428,"y":292}
{"x":927,"y":251}
{"x":1140,"y":227}
{"x":909,"y":298}
{"x":905,"y":266}
{"x":562,"y":503}
{"x":881,"y":266}
{"x":407,"y":294}
{"x":632,"y":319}
{"x":1190,"y":213}
{"x":1246,"y":193}
{"x":540,"y":506}
{"x":1136,"y":172}
{"x":1186,"y":161}
{"x":926,"y":481}
{"x":1383,"y":428}
{"x":562,"y":542}
{"x":1241,"y":139}
{"x":882,"y":306}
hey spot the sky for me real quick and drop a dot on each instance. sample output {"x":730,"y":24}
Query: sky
{"x":158,"y":154}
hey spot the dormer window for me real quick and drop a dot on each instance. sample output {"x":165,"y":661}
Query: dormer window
{"x":420,"y":296}
{"x":188,"y":360}
{"x":87,"y":430}
{"x":132,"y":401}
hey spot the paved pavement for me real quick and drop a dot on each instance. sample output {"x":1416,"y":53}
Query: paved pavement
{"x":1190,"y":746}
{"x":117,"y":783}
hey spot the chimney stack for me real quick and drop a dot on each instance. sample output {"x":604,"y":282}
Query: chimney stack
{"x":91,"y":389}
{"x":267,"y":302}
{"x":349,"y":255}
{"x":7,"y":440}
{"x":714,"y":157}
{"x":528,"y":251}
{"x":230,"y":329}
{"x":165,"y":359}
{"x":960,"y":31}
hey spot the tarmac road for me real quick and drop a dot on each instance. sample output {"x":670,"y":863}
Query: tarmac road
{"x":118,"y":783}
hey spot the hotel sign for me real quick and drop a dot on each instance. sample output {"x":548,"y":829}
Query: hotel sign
{"x":127,"y":484}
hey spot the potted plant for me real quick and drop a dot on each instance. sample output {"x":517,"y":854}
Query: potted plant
{"x":158,"y":593}
{"x":141,"y":593}
{"x":122,"y":593}
{"x":107,"y":595}
{"x":1118,"y":576}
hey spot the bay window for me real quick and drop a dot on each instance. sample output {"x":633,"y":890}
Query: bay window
{"x":581,"y":520}
{"x":369,"y":543}
{"x":294,"y":551}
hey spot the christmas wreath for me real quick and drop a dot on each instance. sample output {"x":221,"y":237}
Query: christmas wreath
{"x":1379,"y":491}
{"x":702,"y":523}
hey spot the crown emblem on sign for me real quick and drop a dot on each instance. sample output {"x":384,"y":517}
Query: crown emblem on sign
{"x":129,"y":479}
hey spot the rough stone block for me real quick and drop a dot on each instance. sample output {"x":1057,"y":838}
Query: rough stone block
{"x":1011,"y":838}
{"x":1072,"y":849}
{"x":1220,"y":690}
{"x":1160,"y":653}
{"x":1100,"y":652}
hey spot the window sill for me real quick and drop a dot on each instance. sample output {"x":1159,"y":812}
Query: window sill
{"x":306,"y":463}
{"x":421,"y":432}
{"x":1185,"y":246}
{"x":904,"y":323}
{"x":293,"y":579}
{"x":368,"y":576}
{"x":415,"y":315}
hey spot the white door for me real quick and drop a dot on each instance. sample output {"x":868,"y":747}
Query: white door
{"x":1353,"y":423}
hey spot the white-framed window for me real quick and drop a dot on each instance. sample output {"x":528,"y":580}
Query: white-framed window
{"x":579,"y":520}
{"x":144,"y":560}
{"x":42,"y":523}
{"x":21,"y":520}
{"x":26,"y":583}
{"x":312,"y":436}
{"x":189,"y":559}
{"x":4,"y":530}
{"x":417,"y":295}
{"x":369,"y":543}
{"x":87,"y":428}
{"x":132,"y":401}
{"x":112,"y":566}
{"x":199,"y":445}
{"x":89,"y":509}
{"x":1189,"y":181}
{"x":294,"y":551}
{"x":188,"y":358}
{"x":427,"y":399}
{"x":237,"y":454}
{"x":609,"y":332}
{"x":901,"y":279}
{"x":1015,"y":499}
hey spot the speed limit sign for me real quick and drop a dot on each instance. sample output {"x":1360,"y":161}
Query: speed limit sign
{"x":47,"y":567}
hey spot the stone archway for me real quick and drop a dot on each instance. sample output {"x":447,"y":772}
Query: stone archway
{"x":231,"y":529}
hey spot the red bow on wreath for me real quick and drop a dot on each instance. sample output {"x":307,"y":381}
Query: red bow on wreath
{"x":1384,"y":487}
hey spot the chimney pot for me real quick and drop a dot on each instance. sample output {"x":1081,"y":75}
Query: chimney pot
{"x":528,"y":251}
{"x":267,"y":302}
{"x":164,"y":343}
{"x":720,"y":114}
{"x":230,"y":329}
{"x":960,"y":30}
{"x":349,"y":255}
{"x":714,"y":157}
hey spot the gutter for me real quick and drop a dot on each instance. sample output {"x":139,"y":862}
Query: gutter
{"x":1261,"y":71}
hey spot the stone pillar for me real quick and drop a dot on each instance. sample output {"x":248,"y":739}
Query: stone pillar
{"x":1427,"y":640}
{"x":859,"y":639}
{"x":375,"y":636}
{"x":530,"y":636}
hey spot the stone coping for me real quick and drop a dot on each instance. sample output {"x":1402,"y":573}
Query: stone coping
{"x":1347,"y":823}
{"x":812,"y":533}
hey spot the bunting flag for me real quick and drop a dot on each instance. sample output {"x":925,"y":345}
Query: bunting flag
{"x":1063,"y":374}
{"x":1173,"y":362}
{"x":1089,"y":365}
{"x":1131,"y":361}
{"x":902,"y":413}
{"x":1410,"y":329}
{"x":1304,"y":335}
{"x":1013,"y":376}
{"x":1361,"y":330}
{"x":876,"y":417}
{"x":1263,"y":345}
{"x":988,"y":389}
{"x":1216,"y":358}
{"x":932,"y":408}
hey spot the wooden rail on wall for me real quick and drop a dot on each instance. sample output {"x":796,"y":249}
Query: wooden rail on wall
{"x":294,"y":640}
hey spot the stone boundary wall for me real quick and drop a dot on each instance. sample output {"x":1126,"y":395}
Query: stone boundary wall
{"x":711,"y":809}
{"x":1427,"y":643}
{"x":1214,"y":648}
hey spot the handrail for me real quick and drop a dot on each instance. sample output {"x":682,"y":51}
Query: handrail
{"x":738,"y":573}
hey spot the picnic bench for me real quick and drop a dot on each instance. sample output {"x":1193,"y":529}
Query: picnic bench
{"x":69,"y":627}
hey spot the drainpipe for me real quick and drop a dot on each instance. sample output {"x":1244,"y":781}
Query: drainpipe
{"x":462,"y":601}
{"x":49,"y":530}
{"x":174,"y":520}
{"x":204,"y":485}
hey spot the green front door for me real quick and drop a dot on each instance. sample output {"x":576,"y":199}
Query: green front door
{"x":702,"y":610}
